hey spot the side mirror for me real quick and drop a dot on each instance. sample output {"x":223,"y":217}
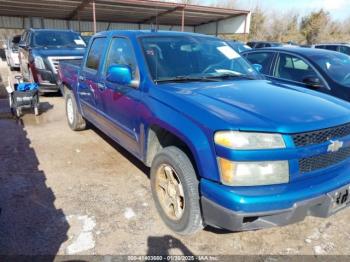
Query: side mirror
{"x":119,"y":74}
{"x":313,"y":82}
{"x":258,"y":67}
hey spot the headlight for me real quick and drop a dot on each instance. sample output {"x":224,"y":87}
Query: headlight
{"x":253,"y":173}
{"x":39,"y":62}
{"x":248,"y":140}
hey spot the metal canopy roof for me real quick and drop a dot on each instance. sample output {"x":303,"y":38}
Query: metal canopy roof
{"x":126,"y":11}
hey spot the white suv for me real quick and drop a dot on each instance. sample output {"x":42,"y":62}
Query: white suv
{"x":11,"y":51}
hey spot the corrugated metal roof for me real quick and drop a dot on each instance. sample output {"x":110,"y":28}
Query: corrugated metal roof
{"x":122,"y":11}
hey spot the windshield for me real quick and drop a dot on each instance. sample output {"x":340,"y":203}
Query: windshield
{"x":58,"y":38}
{"x":335,"y":65}
{"x":193,"y":57}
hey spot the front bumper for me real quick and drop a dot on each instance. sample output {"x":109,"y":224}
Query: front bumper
{"x":249,"y":208}
{"x":48,"y":87}
{"x":321,"y":206}
{"x":47,"y":81}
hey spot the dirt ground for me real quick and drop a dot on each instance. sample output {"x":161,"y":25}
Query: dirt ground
{"x":65,"y":192}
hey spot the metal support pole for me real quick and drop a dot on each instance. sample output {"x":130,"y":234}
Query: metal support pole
{"x":183,"y":20}
{"x":79,"y":21}
{"x":94,"y":15}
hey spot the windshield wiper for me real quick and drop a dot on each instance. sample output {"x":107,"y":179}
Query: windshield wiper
{"x":186,"y":79}
{"x":229,"y":75}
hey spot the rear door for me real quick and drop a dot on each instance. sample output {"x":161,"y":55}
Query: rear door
{"x":88,"y":89}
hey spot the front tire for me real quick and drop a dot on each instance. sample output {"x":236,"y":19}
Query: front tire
{"x":75,"y":120}
{"x":175,"y":191}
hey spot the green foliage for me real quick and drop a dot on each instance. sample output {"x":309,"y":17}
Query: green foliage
{"x":313,"y":26}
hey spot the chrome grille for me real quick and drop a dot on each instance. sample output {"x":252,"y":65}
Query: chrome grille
{"x":54,"y":61}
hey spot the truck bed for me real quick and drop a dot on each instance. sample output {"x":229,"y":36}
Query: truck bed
{"x":68,"y":71}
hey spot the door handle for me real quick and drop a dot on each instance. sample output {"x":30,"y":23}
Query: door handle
{"x":101,"y":86}
{"x":82,"y":78}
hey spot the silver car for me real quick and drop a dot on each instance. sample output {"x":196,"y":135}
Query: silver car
{"x":11,"y":52}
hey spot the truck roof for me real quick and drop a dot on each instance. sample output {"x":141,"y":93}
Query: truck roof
{"x":51,"y":30}
{"x":148,"y":33}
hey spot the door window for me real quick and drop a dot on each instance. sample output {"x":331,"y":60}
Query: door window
{"x":121,"y":53}
{"x":345,"y":49}
{"x":95,"y":53}
{"x":260,"y":45}
{"x":262,"y":58}
{"x":332,"y":47}
{"x":328,"y":47}
{"x":293,"y":68}
{"x":320,"y":46}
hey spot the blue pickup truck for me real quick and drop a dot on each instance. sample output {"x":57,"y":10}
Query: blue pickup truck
{"x":226,"y":148}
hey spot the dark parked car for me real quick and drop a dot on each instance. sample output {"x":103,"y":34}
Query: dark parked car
{"x":342,"y":48}
{"x":40,"y":52}
{"x":238,"y":46}
{"x":262,"y":44}
{"x":86,"y":38}
{"x":322,"y":70}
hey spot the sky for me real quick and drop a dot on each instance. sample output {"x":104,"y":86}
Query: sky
{"x":339,"y":9}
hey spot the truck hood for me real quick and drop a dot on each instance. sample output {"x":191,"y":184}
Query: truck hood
{"x":260,"y":105}
{"x":58,"y":51}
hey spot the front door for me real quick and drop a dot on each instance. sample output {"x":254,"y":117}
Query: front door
{"x":120,"y":103}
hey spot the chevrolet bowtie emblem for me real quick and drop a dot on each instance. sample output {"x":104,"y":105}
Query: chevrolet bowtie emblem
{"x":334,"y":146}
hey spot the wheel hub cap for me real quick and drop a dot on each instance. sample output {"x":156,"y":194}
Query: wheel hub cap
{"x":170,"y":192}
{"x":70,"y":111}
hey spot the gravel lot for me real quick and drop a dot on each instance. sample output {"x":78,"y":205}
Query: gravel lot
{"x":65,"y":192}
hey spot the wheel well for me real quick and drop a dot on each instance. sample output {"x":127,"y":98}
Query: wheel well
{"x":159,"y":138}
{"x":64,"y":87}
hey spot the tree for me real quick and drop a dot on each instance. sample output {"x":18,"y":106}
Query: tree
{"x":225,"y":4}
{"x":284,"y":28}
{"x":313,"y":26}
{"x":258,"y":24}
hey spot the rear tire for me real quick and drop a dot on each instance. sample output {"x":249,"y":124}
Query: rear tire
{"x":75,"y":120}
{"x":174,"y":163}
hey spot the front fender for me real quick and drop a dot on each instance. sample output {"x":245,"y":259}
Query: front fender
{"x":198,"y":139}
